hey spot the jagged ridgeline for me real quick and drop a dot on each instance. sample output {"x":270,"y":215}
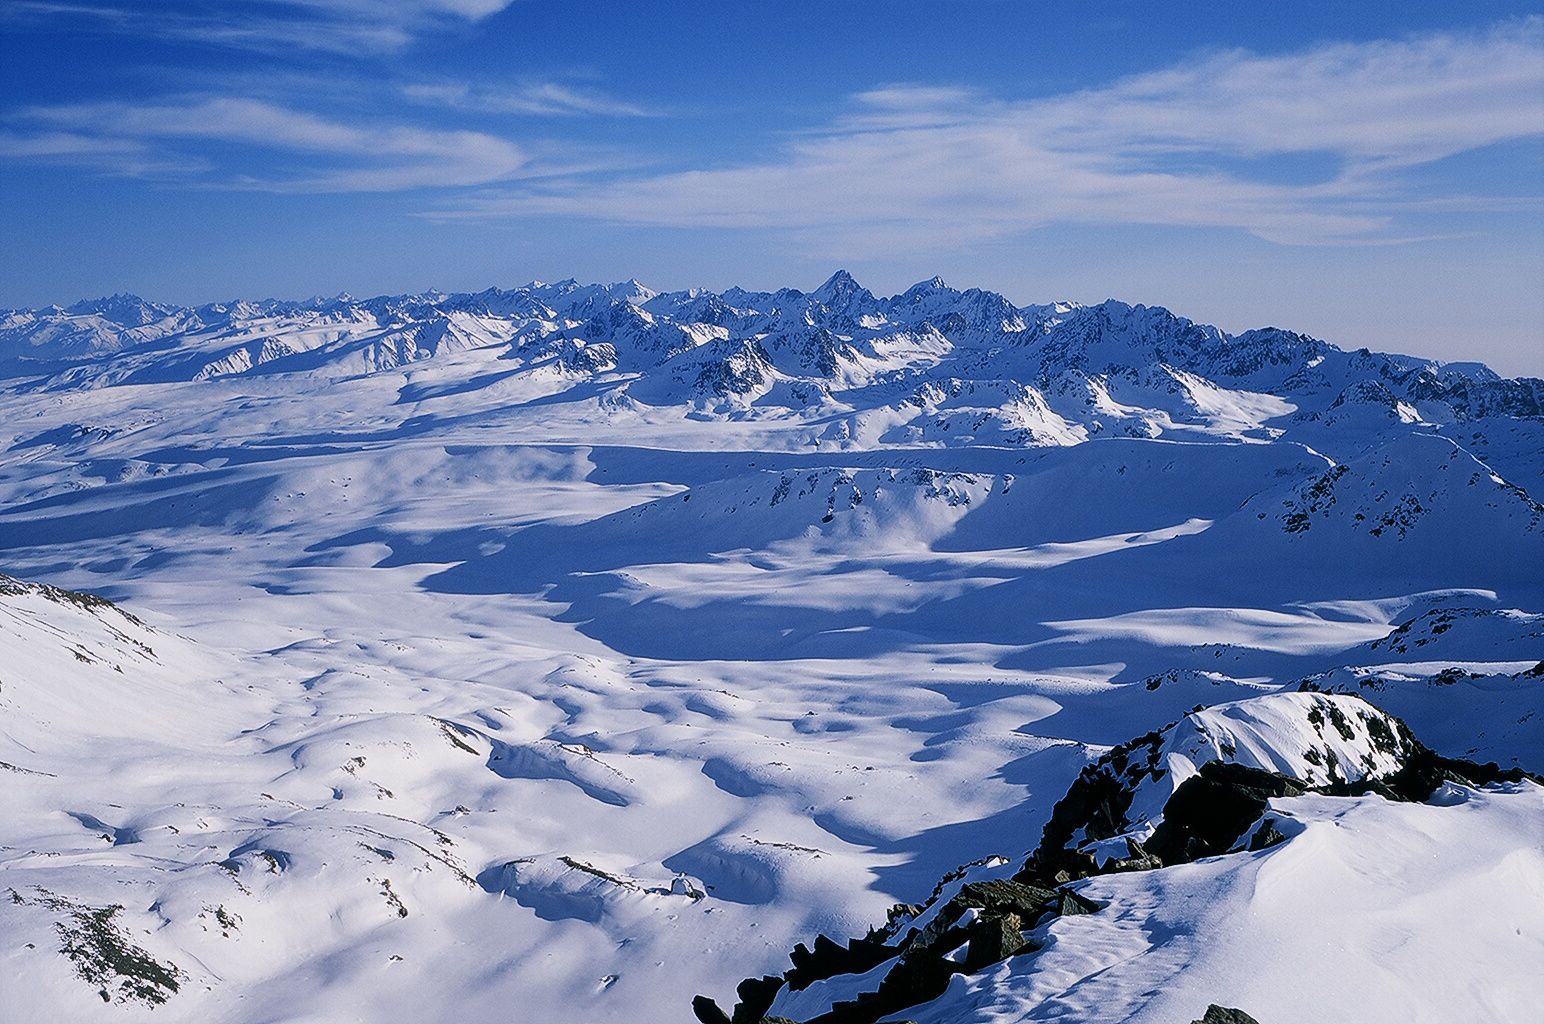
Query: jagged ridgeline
{"x":932,"y":365}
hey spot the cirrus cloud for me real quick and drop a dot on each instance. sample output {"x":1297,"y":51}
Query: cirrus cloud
{"x":547,"y":99}
{"x":267,"y":26}
{"x":329,"y":155}
{"x":1202,"y":144}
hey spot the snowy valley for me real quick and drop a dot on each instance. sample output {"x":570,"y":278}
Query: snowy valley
{"x":570,"y":652}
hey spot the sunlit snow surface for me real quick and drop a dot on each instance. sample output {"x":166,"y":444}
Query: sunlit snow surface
{"x":461,"y":693}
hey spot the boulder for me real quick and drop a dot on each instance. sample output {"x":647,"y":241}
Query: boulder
{"x":1223,"y":1015}
{"x":829,"y":958}
{"x":1003,"y":896}
{"x":994,"y":939}
{"x":1210,"y":811}
{"x":1069,"y":902}
{"x":1266,"y":836}
{"x":756,"y":995}
{"x":708,"y":1011}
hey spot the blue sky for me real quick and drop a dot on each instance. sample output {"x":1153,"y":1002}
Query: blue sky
{"x":1370,"y":173}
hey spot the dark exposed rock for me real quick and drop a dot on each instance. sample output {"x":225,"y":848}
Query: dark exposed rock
{"x":1266,"y":836}
{"x":1003,"y":895}
{"x":592,"y":358}
{"x":1210,"y":810}
{"x":938,"y":938}
{"x":756,"y":995}
{"x":1224,"y":1015}
{"x":1100,"y":796}
{"x":922,"y":971}
{"x":1423,"y":771}
{"x":708,"y":1011}
{"x":1050,"y":865}
{"x":1472,"y":399}
{"x":1070,"y":903}
{"x":739,"y":372}
{"x":1137,"y":859}
{"x":828,"y":958}
{"x":997,"y":939}
{"x":911,"y":981}
{"x":105,"y":957}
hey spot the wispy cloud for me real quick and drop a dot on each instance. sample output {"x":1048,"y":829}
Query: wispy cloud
{"x":127,"y":157}
{"x":1210,"y":143}
{"x":1192,"y":145}
{"x":539,"y":98}
{"x":269,"y":26}
{"x":126,"y":138}
{"x":1375,"y":104}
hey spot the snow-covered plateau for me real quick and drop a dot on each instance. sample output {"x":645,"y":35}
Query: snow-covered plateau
{"x":586,"y":653}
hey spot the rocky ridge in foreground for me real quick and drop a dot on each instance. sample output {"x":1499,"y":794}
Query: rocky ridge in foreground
{"x":1219,"y":782}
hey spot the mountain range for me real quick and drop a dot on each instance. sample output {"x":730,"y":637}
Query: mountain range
{"x":1054,"y":373}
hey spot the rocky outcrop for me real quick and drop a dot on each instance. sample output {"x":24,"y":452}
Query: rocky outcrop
{"x":1231,"y":768}
{"x":1224,"y":1015}
{"x":1231,"y":761}
{"x":977,"y":925}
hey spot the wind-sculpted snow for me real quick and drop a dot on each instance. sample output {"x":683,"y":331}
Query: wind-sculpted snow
{"x":584,"y":649}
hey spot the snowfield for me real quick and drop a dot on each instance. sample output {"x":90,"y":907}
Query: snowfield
{"x":567,"y":652}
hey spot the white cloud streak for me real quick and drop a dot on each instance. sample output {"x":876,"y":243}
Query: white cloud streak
{"x":356,"y":158}
{"x":927,"y":166}
{"x":540,"y":98}
{"x":1383,"y":103}
{"x":912,"y":167}
{"x":270,"y":26}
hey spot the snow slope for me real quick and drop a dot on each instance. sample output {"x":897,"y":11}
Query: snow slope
{"x":584,"y":648}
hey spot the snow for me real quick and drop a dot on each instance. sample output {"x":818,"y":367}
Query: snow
{"x":619,"y":686}
{"x":1372,"y":911}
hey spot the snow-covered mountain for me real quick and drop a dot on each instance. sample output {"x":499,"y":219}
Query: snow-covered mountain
{"x":931,"y":365}
{"x":588,"y":648}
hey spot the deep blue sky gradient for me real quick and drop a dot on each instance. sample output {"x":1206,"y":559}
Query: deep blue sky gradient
{"x":199,"y":151}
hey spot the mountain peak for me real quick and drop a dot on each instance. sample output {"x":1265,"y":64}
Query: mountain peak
{"x":121,"y":308}
{"x":839,"y":291}
{"x":631,"y":291}
{"x":932,"y":286}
